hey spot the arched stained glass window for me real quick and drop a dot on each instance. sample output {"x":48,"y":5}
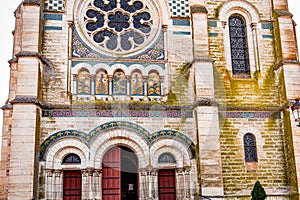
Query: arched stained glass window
{"x":84,"y":82}
{"x":101,"y":82}
{"x":119,"y":83}
{"x":136,"y":83}
{"x":154,"y":86}
{"x":71,"y":158}
{"x":166,"y":158}
{"x":250,"y":148}
{"x":238,"y":46}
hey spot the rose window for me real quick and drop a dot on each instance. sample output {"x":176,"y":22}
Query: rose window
{"x":118,"y":27}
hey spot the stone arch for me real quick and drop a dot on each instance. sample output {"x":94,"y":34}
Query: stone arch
{"x":57,"y":151}
{"x":174,"y":147}
{"x":103,"y":142}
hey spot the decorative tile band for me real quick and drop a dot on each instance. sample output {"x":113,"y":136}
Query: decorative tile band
{"x":213,"y":34}
{"x":57,"y":17}
{"x":268,"y":26}
{"x":103,"y":128}
{"x":181,"y":33}
{"x":181,"y":22}
{"x":267,"y":36}
{"x":253,"y":115}
{"x":118,"y":113}
{"x":56,"y":28}
{"x":212,"y":23}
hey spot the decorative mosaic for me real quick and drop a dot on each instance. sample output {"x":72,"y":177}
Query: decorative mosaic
{"x":88,"y":137}
{"x":118,"y":113}
{"x":54,"y":5}
{"x":179,"y":8}
{"x":253,"y":115}
{"x":81,"y":50}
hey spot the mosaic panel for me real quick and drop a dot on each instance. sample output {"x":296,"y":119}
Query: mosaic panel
{"x":179,"y":8}
{"x":154,"y":86}
{"x":119,"y":113}
{"x":253,"y":115}
{"x":88,"y":137}
{"x":81,"y":50}
{"x":54,"y":5}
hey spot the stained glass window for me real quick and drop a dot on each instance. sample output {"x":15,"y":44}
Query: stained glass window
{"x":101,"y":82}
{"x":137,"y":83}
{"x":166,"y":158}
{"x":250,"y":148}
{"x":71,"y":159}
{"x":119,"y":83}
{"x":238,"y":45}
{"x":154,"y":86}
{"x":119,"y":26}
{"x":84,"y":82}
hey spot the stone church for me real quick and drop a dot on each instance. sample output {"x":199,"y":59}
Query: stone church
{"x":151,"y":100}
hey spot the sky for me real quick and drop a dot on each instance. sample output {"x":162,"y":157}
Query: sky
{"x":7,"y":24}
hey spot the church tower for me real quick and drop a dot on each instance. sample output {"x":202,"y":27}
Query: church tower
{"x":151,"y":99}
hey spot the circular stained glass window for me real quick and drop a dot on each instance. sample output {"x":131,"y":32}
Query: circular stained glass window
{"x":117,"y":27}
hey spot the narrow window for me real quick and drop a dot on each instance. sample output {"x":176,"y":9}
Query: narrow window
{"x":84,"y":82}
{"x":238,"y":46}
{"x":154,"y":86}
{"x":119,"y":83}
{"x":250,"y":148}
{"x":101,"y":82}
{"x":137,"y":83}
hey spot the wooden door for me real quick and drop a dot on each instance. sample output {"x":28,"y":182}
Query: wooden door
{"x":72,"y":185}
{"x":111,"y":175}
{"x":166,"y":184}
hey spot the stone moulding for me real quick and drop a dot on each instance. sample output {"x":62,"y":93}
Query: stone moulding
{"x":32,"y":2}
{"x":88,"y":138}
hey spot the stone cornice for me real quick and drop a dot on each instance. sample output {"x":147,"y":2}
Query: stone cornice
{"x":283,"y":13}
{"x":35,"y":54}
{"x":198,"y":9}
{"x":32,"y":2}
{"x":26,"y":100}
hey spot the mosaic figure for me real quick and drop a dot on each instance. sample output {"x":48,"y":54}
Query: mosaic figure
{"x":101,"y":82}
{"x":136,"y":83}
{"x":119,"y":83}
{"x":84,"y":82}
{"x":154,"y":84}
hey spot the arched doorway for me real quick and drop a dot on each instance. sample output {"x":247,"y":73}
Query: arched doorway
{"x":120,"y":174}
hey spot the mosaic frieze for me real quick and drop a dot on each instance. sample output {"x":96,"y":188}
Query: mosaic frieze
{"x":118,"y":113}
{"x":88,"y":137}
{"x":54,"y":5}
{"x":252,"y":115}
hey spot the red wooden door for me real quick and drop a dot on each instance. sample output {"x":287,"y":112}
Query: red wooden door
{"x":166,"y":184}
{"x":111,"y":175}
{"x":72,"y":185}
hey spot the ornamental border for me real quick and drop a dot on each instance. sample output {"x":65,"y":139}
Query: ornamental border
{"x":87,"y":138}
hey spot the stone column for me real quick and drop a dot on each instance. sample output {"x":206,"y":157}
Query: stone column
{"x":144,"y":188}
{"x":49,"y":184}
{"x":110,"y":87}
{"x":255,"y":45}
{"x":97,"y":184}
{"x":154,"y":183}
{"x":85,"y":184}
{"x":58,"y":185}
{"x":145,"y":80}
{"x":180,"y":183}
{"x":187,"y":183}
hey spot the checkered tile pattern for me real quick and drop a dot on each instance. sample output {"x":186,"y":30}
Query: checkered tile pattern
{"x":55,"y":5}
{"x":179,"y":8}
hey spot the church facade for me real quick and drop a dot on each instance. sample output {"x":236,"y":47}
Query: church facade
{"x":151,"y":99}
